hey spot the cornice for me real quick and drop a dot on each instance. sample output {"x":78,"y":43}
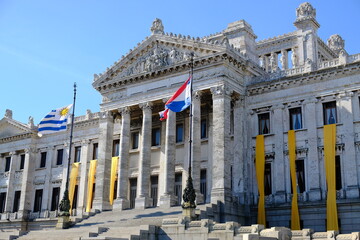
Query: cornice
{"x":306,"y":78}
{"x":18,"y":137}
{"x":281,"y":38}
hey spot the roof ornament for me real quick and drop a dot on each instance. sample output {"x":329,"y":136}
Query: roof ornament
{"x":336,"y":43}
{"x":8,"y":113}
{"x":157,"y":27}
{"x":304,"y":11}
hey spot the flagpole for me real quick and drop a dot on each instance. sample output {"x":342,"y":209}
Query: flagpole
{"x":189,"y":195}
{"x":64,"y":205}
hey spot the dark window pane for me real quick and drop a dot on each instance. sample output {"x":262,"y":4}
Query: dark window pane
{"x":55,"y":198}
{"x":116,"y":145}
{"x":22,"y":161}
{"x":38,"y":200}
{"x":295,"y":118}
{"x":2,"y":201}
{"x":7,"y":164}
{"x":155,"y":137}
{"x":203,"y":184}
{"x":178,"y":187}
{"x":60,"y":154}
{"x":264,"y":123}
{"x":300,"y":175}
{"x":16,"y":201}
{"x":135,"y":140}
{"x":95,"y":151}
{"x":179,"y":133}
{"x":43,"y":160}
{"x":154,"y":189}
{"x":329,"y":112}
{"x":203,"y":128}
{"x":338,"y":173}
{"x":267,"y":179}
{"x":77,"y":154}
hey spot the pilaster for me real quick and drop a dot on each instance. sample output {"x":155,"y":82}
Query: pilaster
{"x":167,"y":165}
{"x":10,"y":187}
{"x":46,"y":201}
{"x":84,"y":160}
{"x":27,"y":183}
{"x":106,"y":129}
{"x":122,"y":201}
{"x":142,"y":199}
{"x":221,"y":181}
{"x":313,"y":157}
{"x":348,"y":159}
{"x":279,"y":161}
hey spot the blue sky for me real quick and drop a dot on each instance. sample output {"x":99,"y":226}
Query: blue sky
{"x":46,"y":46}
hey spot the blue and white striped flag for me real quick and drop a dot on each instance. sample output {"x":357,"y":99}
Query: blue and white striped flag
{"x":54,"y":121}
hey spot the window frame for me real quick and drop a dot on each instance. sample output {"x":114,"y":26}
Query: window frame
{"x":177,"y":137}
{"x":260,"y":130}
{"x":292,"y":111}
{"x":59,"y":157}
{"x":135,"y":138}
{"x":326,"y":106}
{"x":156,"y":137}
{"x":43,"y":156}
{"x":77,"y":154}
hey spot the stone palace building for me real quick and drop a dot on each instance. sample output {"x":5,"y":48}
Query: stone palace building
{"x":242,"y":88}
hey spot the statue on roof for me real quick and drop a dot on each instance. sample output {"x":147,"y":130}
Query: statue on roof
{"x":336,"y":43}
{"x":157,"y":27}
{"x":31,"y":122}
{"x":8,"y":113}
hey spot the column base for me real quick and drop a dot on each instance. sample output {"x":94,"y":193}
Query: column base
{"x":101,"y":205}
{"x":280,"y":197}
{"x":220,"y":194}
{"x":121,"y":204}
{"x":199,"y":198}
{"x":352,"y":192}
{"x":189,"y":213}
{"x":143,"y":202}
{"x":167,"y":201}
{"x":314,"y":195}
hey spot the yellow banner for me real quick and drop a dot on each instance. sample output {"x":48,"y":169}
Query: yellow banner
{"x":114,"y":164}
{"x":73,"y":177}
{"x":295,"y":219}
{"x":330,"y":171}
{"x":260,"y":171}
{"x":91,"y":180}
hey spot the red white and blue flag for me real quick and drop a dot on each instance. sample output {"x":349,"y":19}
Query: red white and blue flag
{"x":179,"y":101}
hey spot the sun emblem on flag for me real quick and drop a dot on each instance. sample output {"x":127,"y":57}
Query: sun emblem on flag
{"x":64,"y":111}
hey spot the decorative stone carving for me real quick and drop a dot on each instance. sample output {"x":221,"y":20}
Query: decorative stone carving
{"x":273,"y":62}
{"x":147,"y":106}
{"x":283,"y":59}
{"x":157,"y":27}
{"x":304,"y":11}
{"x":336,"y":43}
{"x":294,"y":58}
{"x":220,"y":91}
{"x":8,"y":113}
{"x":31,"y":122}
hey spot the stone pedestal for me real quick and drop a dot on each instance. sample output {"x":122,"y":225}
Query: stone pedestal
{"x":64,"y":222}
{"x":121,"y":204}
{"x":189,"y":213}
{"x":143,"y":202}
{"x":167,"y":201}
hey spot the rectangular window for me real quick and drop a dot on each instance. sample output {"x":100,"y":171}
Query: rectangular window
{"x":2,"y":201}
{"x":178,"y":187}
{"x":155,"y":137}
{"x":59,"y":158}
{"x":95,"y":151}
{"x":43,"y":160}
{"x":264,"y":123}
{"x":300,"y":176}
{"x":133,"y":184}
{"x":204,"y":130}
{"x":179,"y":133}
{"x":295,"y":118}
{"x":22,"y":161}
{"x":329,"y":112}
{"x":77,"y":154}
{"x":38,"y":200}
{"x":16,"y":201}
{"x":154,"y":189}
{"x":135,"y":140}
{"x":203,"y":183}
{"x":115,"y":149}
{"x":7,"y":164}
{"x":55,"y":198}
{"x":267,"y":179}
{"x":338,"y":173}
{"x":74,"y":203}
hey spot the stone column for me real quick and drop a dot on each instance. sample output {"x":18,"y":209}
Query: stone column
{"x":167,"y":165}
{"x":10,"y":187}
{"x":279,"y":161}
{"x":142,"y":199}
{"x":221,"y":137}
{"x":239,"y":149}
{"x":82,"y":188}
{"x":196,"y":145}
{"x":27,"y":184}
{"x":348,"y":159}
{"x":103,"y":168}
{"x":313,"y":158}
{"x":122,"y":201}
{"x":46,"y":200}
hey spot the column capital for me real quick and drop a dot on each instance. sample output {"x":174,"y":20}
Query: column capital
{"x":85,"y":142}
{"x":146,"y":106}
{"x":12,"y":153}
{"x":124,"y":111}
{"x":106,"y":115}
{"x":30,"y":150}
{"x":238,"y":101}
{"x":221,"y":90}
{"x":197,"y":95}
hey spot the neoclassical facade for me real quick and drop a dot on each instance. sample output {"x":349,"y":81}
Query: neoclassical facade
{"x":242,"y":88}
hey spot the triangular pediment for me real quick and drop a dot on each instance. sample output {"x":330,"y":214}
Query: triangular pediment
{"x":157,"y":52}
{"x":10,"y":127}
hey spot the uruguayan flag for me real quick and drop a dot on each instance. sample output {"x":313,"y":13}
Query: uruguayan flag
{"x":55,"y":121}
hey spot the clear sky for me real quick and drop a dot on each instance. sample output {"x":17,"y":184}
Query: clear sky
{"x":46,"y":46}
